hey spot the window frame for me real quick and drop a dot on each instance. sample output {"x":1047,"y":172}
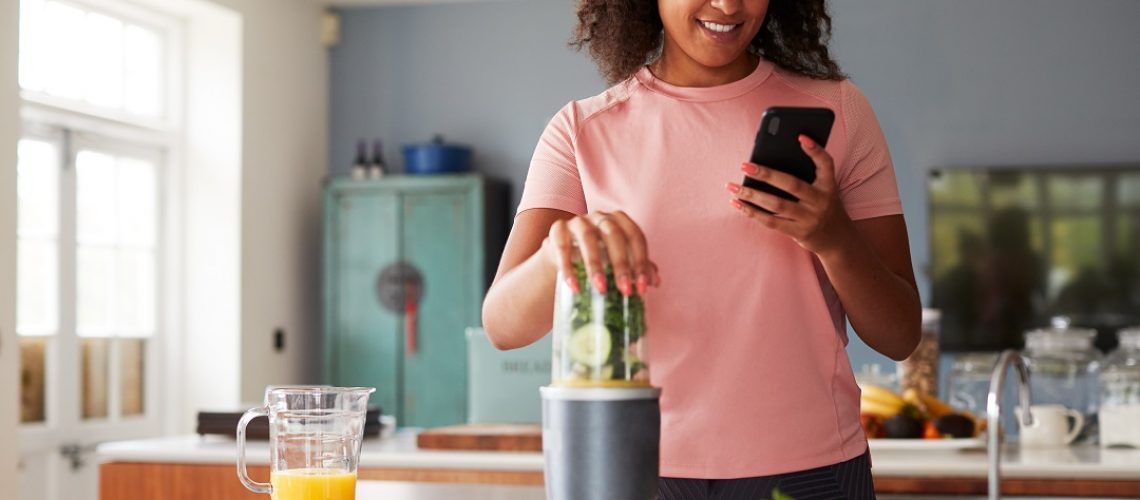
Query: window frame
{"x":63,"y":348}
{"x":71,"y":125}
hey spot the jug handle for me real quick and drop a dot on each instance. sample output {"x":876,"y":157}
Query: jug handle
{"x":242,"y":473}
{"x":1078,"y":425}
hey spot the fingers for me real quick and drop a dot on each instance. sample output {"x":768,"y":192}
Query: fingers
{"x":640,"y":268}
{"x":781,"y":207}
{"x":599,"y":236}
{"x":588,"y":237}
{"x":560,"y":237}
{"x":782,"y":180}
{"x":824,"y":164}
{"x":770,"y":221}
{"x":617,"y":247}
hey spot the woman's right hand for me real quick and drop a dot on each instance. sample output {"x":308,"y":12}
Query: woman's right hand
{"x":624,"y":243}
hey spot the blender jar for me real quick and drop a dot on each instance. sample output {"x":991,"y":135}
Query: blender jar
{"x":1120,"y":393}
{"x":601,"y":421}
{"x":599,"y":338}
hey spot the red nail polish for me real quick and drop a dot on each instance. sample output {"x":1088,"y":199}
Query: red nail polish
{"x":572,"y":282}
{"x":736,"y":203}
{"x":749,"y":168}
{"x":642,"y":284}
{"x":599,"y":282}
{"x":732,"y":188}
{"x":625,"y":286}
{"x":805,"y":141}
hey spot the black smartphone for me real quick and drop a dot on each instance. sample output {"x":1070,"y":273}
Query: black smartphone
{"x":777,"y":144}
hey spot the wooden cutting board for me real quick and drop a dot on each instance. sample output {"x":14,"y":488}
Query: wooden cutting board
{"x":482,"y":437}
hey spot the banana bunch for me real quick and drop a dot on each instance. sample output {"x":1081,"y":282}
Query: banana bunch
{"x":880,"y":401}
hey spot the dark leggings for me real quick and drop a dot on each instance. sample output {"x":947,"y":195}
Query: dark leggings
{"x":850,"y":480}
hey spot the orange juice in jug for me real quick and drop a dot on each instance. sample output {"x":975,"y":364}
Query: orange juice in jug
{"x":313,"y":484}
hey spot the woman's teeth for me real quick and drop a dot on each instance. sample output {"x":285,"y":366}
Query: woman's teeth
{"x":719,"y":28}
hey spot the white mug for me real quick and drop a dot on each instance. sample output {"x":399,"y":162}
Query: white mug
{"x":1051,"y":426}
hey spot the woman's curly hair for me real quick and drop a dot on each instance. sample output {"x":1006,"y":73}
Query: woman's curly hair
{"x":622,"y":36}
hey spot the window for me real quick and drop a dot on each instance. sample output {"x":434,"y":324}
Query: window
{"x":98,"y":83}
{"x":107,"y":240}
{"x":1012,"y":247}
{"x":106,"y":63}
{"x":37,"y":274}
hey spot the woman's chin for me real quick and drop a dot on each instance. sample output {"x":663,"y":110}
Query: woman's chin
{"x":721,"y":60}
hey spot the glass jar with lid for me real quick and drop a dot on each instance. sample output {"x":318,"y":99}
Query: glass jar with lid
{"x":599,"y":338}
{"x":1063,"y":367}
{"x":969,"y":381}
{"x":919,"y":371}
{"x":1120,"y":392}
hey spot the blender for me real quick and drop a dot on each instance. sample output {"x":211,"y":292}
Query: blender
{"x":315,"y":434}
{"x":601,"y":421}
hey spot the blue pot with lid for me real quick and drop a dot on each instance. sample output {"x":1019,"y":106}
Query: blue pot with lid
{"x":436,"y":157}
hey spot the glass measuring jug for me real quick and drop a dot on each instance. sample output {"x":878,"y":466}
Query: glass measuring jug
{"x":314,"y":442}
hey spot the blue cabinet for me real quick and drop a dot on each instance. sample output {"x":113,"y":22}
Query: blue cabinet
{"x":405,"y":266}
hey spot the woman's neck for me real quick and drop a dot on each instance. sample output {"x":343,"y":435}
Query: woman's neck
{"x":677,"y":68}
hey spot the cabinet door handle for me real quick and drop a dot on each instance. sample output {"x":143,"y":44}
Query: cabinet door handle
{"x":411,"y":312}
{"x":394,"y":283}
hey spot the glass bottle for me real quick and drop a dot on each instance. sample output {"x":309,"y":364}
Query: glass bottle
{"x":360,"y":164}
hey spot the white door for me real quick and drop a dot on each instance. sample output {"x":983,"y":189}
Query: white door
{"x":88,"y":286}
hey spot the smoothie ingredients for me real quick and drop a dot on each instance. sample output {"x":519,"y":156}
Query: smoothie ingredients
{"x":599,"y":338}
{"x":913,"y":415}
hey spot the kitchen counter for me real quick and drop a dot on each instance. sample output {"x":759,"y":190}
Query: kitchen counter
{"x":1076,"y":471}
{"x":398,"y":451}
{"x":1077,"y":462}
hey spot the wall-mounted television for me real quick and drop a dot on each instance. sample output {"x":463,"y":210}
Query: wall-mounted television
{"x":1014,"y":247}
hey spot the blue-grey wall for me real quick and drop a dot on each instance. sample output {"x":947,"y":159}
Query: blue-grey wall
{"x":958,"y":82}
{"x":489,"y":75}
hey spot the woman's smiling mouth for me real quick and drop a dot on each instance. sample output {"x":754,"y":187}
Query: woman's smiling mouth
{"x":721,"y":32}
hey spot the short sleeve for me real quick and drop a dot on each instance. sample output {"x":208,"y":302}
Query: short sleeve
{"x":552,"y":180}
{"x":866,"y":181}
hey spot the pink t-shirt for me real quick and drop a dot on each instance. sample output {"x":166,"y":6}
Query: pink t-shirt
{"x":747,"y":335}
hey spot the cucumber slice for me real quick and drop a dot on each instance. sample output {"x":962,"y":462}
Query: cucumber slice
{"x":590,"y":345}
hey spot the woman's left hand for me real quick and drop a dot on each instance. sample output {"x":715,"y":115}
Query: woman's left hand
{"x":817,"y":221}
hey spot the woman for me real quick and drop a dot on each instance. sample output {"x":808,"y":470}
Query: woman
{"x":749,"y":333}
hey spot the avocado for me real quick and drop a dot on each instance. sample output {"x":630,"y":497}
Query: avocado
{"x":903,"y":426}
{"x":955,"y":425}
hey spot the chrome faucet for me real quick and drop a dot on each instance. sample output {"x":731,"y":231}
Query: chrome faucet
{"x":993,"y":412}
